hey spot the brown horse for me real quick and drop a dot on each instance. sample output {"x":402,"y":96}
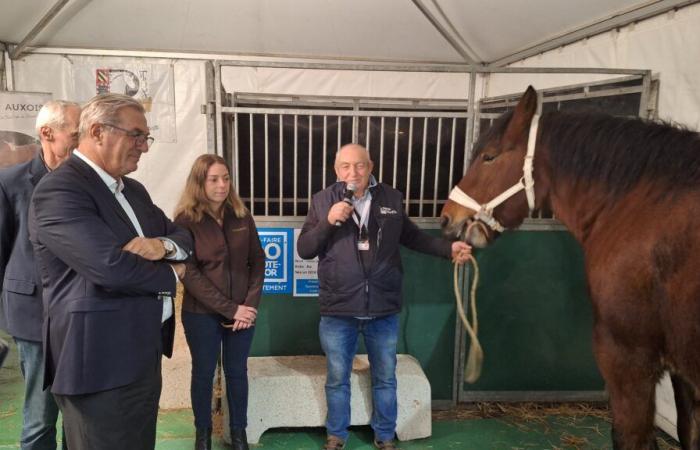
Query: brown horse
{"x":629,"y":191}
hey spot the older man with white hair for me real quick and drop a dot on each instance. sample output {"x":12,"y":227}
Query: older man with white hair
{"x":21,"y":309}
{"x":356,"y":228}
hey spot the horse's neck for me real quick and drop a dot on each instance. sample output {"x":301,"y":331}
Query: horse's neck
{"x":587,"y":209}
{"x":578,"y":207}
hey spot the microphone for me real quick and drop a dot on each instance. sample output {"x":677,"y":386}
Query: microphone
{"x":347,"y":198}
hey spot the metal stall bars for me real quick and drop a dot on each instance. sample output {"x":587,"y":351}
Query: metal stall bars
{"x":412,"y":143}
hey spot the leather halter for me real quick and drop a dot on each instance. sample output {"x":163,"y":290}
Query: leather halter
{"x":484,"y":212}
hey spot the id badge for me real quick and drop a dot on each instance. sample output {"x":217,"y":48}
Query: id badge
{"x":363,"y":245}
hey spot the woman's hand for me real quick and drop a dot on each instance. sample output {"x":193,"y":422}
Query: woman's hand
{"x":240,"y":325}
{"x":244,"y":317}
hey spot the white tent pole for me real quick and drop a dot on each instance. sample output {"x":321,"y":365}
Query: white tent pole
{"x":465,"y":45}
{"x":3,"y":77}
{"x":448,"y":37}
{"x":9,"y":76}
{"x":38,"y":28}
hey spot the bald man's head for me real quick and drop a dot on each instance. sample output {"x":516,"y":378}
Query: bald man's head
{"x":354,"y":166}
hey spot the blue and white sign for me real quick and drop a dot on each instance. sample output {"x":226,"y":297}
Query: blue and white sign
{"x":277,"y":245}
{"x":305,"y":273}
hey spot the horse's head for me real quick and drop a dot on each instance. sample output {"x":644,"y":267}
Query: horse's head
{"x":496,"y":167}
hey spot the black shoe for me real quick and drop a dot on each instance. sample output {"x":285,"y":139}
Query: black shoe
{"x":385,"y":445}
{"x":239,"y":440}
{"x":334,"y":443}
{"x":202,"y":440}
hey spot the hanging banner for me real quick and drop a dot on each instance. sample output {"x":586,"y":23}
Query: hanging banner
{"x":18,"y":139}
{"x":151,"y":84}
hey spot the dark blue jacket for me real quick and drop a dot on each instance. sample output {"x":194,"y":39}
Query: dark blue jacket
{"x":21,"y":309}
{"x":103,"y":325}
{"x":348,"y":286}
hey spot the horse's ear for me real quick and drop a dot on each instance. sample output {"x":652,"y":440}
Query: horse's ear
{"x":519,"y":123}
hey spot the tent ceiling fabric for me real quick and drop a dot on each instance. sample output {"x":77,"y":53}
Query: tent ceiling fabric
{"x":387,"y":30}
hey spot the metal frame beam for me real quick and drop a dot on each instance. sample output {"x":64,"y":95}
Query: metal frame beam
{"x":3,"y":78}
{"x":8,"y":71}
{"x":439,"y":68}
{"x":611,"y":23}
{"x":220,"y":60}
{"x":197,"y":55}
{"x":209,"y":107}
{"x":38,"y":28}
{"x":459,"y":48}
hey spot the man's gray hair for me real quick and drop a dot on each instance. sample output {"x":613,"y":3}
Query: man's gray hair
{"x":104,"y":108}
{"x":53,"y":114}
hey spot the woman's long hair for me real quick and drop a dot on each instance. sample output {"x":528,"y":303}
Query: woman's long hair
{"x":194,"y":203}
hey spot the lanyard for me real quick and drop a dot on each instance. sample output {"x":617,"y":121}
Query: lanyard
{"x":362,"y":217}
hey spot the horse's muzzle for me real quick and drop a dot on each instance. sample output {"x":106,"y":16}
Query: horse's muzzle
{"x":470,"y":231}
{"x":476,"y":233}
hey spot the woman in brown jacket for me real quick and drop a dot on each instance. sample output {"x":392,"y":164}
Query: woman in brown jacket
{"x":223,"y":285}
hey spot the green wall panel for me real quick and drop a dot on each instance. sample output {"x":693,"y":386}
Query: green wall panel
{"x":534,"y":317}
{"x":288,"y":325}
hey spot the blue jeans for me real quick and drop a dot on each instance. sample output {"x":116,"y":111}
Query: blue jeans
{"x":207,"y":340}
{"x":40,"y":409}
{"x":339,"y":338}
{"x":4,"y":350}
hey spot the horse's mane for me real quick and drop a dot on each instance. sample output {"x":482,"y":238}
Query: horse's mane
{"x":620,"y":152}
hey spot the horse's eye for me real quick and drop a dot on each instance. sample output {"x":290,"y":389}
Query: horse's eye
{"x":488,"y":158}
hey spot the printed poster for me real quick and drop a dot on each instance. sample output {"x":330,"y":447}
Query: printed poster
{"x":305,"y":272}
{"x":18,"y":138}
{"x":151,"y":84}
{"x":277,"y":246}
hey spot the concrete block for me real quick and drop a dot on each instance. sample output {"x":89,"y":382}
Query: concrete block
{"x":288,"y":391}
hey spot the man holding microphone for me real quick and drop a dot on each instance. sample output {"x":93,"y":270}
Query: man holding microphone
{"x":356,"y":227}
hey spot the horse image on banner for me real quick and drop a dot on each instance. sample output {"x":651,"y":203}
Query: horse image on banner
{"x":629,"y":192}
{"x":18,"y":138}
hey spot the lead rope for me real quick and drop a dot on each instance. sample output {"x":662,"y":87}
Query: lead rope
{"x":475,"y":360}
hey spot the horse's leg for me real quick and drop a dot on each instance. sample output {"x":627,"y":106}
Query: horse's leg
{"x":631,"y":381}
{"x":688,"y":409}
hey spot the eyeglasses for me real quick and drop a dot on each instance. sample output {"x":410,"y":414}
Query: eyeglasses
{"x":139,"y":137}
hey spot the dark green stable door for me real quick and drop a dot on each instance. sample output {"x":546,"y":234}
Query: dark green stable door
{"x":535,"y":320}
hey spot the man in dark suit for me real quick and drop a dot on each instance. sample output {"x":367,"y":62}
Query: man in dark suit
{"x":21,"y":309}
{"x":107,"y":258}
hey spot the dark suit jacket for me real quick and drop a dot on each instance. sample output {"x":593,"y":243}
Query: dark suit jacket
{"x":103,"y":324}
{"x":20,"y":304}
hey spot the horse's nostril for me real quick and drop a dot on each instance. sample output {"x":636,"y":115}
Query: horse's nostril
{"x":444,"y":220}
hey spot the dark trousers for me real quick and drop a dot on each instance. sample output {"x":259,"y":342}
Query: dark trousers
{"x":207,"y":340}
{"x":117,"y":419}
